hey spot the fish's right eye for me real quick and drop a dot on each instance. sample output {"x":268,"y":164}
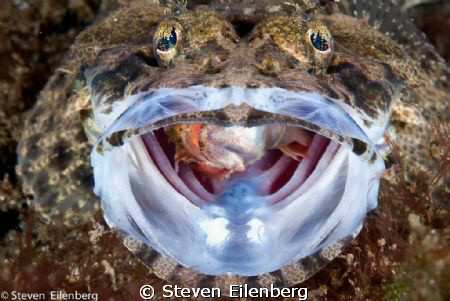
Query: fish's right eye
{"x":167,"y":43}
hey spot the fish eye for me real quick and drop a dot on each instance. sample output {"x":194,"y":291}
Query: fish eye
{"x":167,"y":42}
{"x":319,"y":38}
{"x":319,"y":42}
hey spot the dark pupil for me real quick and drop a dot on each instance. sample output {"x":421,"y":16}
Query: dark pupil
{"x":319,"y":42}
{"x":165,"y":43}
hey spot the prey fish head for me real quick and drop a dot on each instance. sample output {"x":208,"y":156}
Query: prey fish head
{"x":238,"y":137}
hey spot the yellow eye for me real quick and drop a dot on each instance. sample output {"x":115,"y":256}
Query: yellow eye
{"x":319,"y":42}
{"x":319,"y":37}
{"x":167,"y":42}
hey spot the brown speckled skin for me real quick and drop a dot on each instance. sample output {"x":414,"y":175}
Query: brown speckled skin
{"x":375,"y":65}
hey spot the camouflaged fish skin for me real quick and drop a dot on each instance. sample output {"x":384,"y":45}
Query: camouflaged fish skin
{"x":381,"y":65}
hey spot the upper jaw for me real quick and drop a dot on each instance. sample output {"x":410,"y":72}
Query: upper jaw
{"x":232,"y":106}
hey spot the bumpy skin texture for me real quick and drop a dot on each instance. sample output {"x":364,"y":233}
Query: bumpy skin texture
{"x":376,"y":66}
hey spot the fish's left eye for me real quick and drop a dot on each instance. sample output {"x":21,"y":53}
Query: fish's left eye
{"x":166,"y":43}
{"x":319,"y":37}
{"x":319,"y":41}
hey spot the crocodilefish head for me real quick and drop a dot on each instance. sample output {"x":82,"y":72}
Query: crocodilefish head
{"x":243,"y":140}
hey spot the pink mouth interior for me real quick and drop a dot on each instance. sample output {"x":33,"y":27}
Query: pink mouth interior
{"x":276,"y":174}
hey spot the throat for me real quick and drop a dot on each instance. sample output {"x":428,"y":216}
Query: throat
{"x":274,"y":165}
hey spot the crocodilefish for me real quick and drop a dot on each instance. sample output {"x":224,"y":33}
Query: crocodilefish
{"x":233,"y":141}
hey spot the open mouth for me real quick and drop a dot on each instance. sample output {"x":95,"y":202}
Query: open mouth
{"x":221,"y":194}
{"x":276,"y":175}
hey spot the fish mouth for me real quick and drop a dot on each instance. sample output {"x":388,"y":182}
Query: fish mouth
{"x":276,"y":211}
{"x":274,"y":176}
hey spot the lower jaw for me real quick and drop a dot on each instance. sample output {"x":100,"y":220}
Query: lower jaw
{"x":243,"y":228}
{"x":246,"y":227}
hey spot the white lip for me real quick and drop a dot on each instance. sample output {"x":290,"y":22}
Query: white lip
{"x":239,"y":233}
{"x":149,"y":107}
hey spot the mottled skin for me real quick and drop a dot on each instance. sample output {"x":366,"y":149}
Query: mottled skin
{"x":375,"y":66}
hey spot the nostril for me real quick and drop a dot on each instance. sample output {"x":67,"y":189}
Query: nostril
{"x":243,"y":28}
{"x":149,"y":60}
